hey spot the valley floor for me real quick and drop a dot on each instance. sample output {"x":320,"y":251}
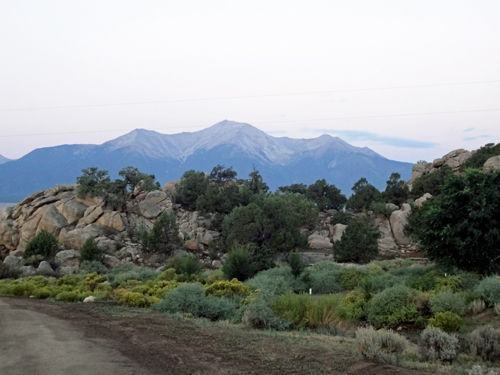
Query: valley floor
{"x":46,"y":337}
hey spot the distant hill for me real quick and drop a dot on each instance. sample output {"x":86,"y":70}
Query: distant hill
{"x":3,"y":159}
{"x":281,"y":161}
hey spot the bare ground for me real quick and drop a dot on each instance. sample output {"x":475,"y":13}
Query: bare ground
{"x":146,"y":342}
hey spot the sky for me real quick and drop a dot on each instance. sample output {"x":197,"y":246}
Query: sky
{"x":412,"y":80}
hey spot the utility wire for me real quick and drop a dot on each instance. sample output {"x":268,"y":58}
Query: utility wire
{"x":245,"y":97}
{"x":264,"y":122}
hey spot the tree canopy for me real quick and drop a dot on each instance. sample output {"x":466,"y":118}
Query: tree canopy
{"x":461,"y":226}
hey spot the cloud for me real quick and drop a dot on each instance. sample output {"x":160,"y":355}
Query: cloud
{"x":468,"y":130}
{"x":358,"y":135}
{"x":476,"y":137}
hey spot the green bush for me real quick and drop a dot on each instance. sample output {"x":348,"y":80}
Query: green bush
{"x":239,"y":264}
{"x":489,"y":290}
{"x":447,"y":321}
{"x":350,"y":278}
{"x":191,"y":266}
{"x":477,"y":370}
{"x":459,"y":228}
{"x":382,"y":345}
{"x":90,"y":252}
{"x":259,"y":315}
{"x":447,"y":301}
{"x":478,"y":158}
{"x":91,"y":267}
{"x":163,"y":238}
{"x":393,"y":306}
{"x":191,"y":299}
{"x":278,"y":280}
{"x":296,"y":263}
{"x":325,"y":282}
{"x":354,"y":305}
{"x":358,"y":243}
{"x":44,"y":244}
{"x":42,"y":293}
{"x":7,"y":272}
{"x":292,"y":308}
{"x":228,"y":289}
{"x":485,"y":342}
{"x":68,"y":296}
{"x":438,"y":345}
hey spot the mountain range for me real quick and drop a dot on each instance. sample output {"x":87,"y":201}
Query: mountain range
{"x":281,"y":161}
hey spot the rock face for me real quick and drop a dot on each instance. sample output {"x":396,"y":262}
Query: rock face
{"x":398,"y":221}
{"x":422,"y":199}
{"x":492,"y":164}
{"x":386,"y":243}
{"x":453,"y":159}
{"x":338,"y":231}
{"x":319,"y":240}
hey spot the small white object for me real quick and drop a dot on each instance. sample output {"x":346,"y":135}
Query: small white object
{"x":89,"y":299}
{"x":310,"y":291}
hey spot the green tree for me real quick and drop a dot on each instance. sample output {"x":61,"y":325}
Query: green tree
{"x":255,"y":183}
{"x":358,"y":243}
{"x":163,"y":238}
{"x":461,"y":226}
{"x":91,"y":252}
{"x":430,"y":183}
{"x":192,"y":185}
{"x":296,"y":263}
{"x":396,"y":191}
{"x":44,"y":244}
{"x":364,"y":194}
{"x":325,"y":196}
{"x":273,"y":223}
{"x":132,"y":177}
{"x":294,"y":188}
{"x":478,"y":158}
{"x":93,"y":182}
{"x":221,"y":175}
{"x":239,"y":264}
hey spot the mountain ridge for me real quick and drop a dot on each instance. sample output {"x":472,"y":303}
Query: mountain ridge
{"x":281,"y":160}
{"x":3,"y":159}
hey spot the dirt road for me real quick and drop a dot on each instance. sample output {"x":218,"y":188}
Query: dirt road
{"x":35,"y":343}
{"x":50,"y":338}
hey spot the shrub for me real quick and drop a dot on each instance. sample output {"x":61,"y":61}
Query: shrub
{"x":91,"y":252}
{"x":167,"y":275}
{"x":447,"y":301}
{"x":451,"y":283}
{"x":489,"y":290}
{"x":90,"y":267}
{"x":392,"y":306}
{"x":292,"y":308}
{"x":496,"y":308}
{"x":354,"y":305}
{"x":42,"y":293}
{"x":92,"y":280}
{"x":296,"y":263}
{"x":228,"y":289}
{"x":350,"y":278}
{"x":7,"y":272}
{"x":191,"y":299}
{"x":379,"y":345}
{"x":477,"y":306}
{"x":260,"y":316}
{"x":164,"y":237}
{"x":67,"y":296}
{"x":239,"y":264}
{"x":191,"y":266}
{"x":477,"y":370}
{"x":132,"y":299}
{"x":358,"y":243}
{"x":44,"y":244}
{"x":438,"y":345}
{"x":485,"y":342}
{"x":458,"y":228}
{"x":447,"y":321}
{"x":324,"y":312}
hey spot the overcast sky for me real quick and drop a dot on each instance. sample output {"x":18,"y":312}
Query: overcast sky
{"x":300,"y":69}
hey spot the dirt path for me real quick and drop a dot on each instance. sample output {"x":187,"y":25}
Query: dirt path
{"x":35,"y":343}
{"x":44,"y":337}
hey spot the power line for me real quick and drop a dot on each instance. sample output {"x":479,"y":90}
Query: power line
{"x":246,"y":97}
{"x":265,"y":122}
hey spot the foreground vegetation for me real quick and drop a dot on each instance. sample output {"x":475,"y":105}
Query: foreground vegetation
{"x":428,"y":307}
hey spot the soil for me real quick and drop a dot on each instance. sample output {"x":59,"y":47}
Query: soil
{"x":153,"y":343}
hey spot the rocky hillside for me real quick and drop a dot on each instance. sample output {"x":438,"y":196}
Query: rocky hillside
{"x":73,"y":220}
